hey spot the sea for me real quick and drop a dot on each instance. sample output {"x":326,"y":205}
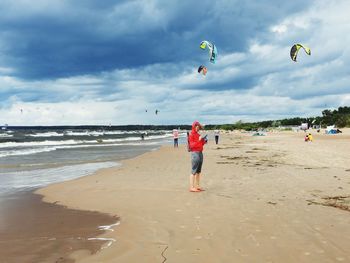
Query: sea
{"x":33,"y":157}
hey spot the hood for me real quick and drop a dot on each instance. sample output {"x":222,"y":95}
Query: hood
{"x":194,"y":124}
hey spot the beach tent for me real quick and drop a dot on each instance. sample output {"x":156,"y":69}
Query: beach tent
{"x":331,"y":130}
{"x":304,"y":126}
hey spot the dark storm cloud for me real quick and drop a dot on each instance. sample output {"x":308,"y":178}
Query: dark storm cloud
{"x":69,"y":38}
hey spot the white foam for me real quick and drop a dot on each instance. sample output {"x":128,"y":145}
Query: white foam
{"x":74,"y":142}
{"x":47,"y":134}
{"x":11,"y":181}
{"x":97,"y":133}
{"x":5,"y":135}
{"x":106,"y":228}
{"x":29,"y":151}
{"x":27,"y":148}
{"x":111,"y":241}
{"x":42,"y":143}
{"x":109,"y":227}
{"x":26,"y":151}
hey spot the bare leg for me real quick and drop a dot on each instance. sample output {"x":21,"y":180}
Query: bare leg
{"x":193,"y":183}
{"x":192,"y":177}
{"x":197,"y":180}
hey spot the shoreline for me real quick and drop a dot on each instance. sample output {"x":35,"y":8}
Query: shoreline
{"x":50,"y":240}
{"x":257,"y":200}
{"x":35,"y":231}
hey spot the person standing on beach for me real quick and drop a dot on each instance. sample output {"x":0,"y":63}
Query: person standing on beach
{"x":196,"y":143}
{"x":216,"y":135}
{"x":176,"y":138}
{"x":188,"y":141}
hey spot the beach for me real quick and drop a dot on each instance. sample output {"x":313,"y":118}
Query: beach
{"x":34,"y":231}
{"x":34,"y":157}
{"x":272,"y":198}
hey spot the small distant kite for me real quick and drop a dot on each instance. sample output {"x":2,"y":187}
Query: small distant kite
{"x":202,"y":69}
{"x":295,"y":50}
{"x":157,"y":112}
{"x":213,"y":52}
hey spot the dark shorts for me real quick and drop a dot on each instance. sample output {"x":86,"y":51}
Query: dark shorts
{"x":197,"y":161}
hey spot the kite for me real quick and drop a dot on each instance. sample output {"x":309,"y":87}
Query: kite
{"x":295,"y":49}
{"x":202,"y":69}
{"x":213,"y":52}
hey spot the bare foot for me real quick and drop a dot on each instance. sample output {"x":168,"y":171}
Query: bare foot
{"x":194,"y":190}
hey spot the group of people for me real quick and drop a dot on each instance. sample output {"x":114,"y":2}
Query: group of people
{"x":195,"y":145}
{"x":308,"y":138}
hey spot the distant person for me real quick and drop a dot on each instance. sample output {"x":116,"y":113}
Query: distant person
{"x":188,"y":142}
{"x":176,"y":138}
{"x":142,"y":136}
{"x":310,"y":137}
{"x":216,"y":135}
{"x":196,"y":143}
{"x":306,"y":138}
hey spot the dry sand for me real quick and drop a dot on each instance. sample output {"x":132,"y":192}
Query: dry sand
{"x":271,"y":198}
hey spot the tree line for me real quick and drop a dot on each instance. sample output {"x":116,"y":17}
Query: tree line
{"x":339,"y":117}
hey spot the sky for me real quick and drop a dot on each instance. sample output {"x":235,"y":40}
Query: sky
{"x":91,"y":62}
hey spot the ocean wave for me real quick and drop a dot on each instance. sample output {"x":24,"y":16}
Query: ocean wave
{"x":40,"y":143}
{"x":5,"y":135}
{"x":26,"y":151}
{"x":77,"y":142}
{"x":46,"y":134}
{"x":43,"y":177}
{"x":90,"y":133}
{"x":29,"y":151}
{"x":98,"y":133}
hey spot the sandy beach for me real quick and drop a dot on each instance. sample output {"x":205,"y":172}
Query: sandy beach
{"x":272,"y":198}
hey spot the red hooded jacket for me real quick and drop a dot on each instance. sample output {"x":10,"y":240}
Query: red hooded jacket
{"x":195,"y":144}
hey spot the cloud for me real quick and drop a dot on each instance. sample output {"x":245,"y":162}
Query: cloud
{"x":64,"y":39}
{"x":120,"y":59}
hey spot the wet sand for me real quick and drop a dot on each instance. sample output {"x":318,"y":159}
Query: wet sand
{"x":268,"y":198}
{"x":35,"y":231}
